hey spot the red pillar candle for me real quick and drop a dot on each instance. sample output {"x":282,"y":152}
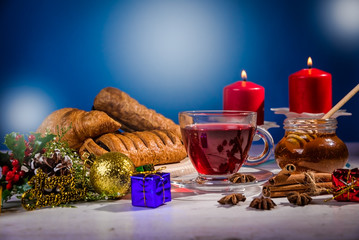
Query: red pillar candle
{"x":310,"y":90}
{"x":246,"y":96}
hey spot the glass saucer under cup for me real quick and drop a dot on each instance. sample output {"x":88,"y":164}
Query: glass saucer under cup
{"x":193,"y":181}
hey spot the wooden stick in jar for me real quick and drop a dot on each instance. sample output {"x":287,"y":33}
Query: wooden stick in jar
{"x":341,"y":102}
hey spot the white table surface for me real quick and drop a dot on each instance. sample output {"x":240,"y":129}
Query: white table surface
{"x":187,"y":216}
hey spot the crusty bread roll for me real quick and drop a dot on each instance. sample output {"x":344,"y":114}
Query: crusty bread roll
{"x":83,"y":125}
{"x":145,"y":147}
{"x":130,"y":113}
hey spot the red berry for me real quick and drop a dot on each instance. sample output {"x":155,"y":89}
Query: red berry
{"x":16,"y":168}
{"x":18,"y":137}
{"x":9,"y":176}
{"x":9,"y":186}
{"x":15,"y":162}
{"x":22,"y":173}
{"x":11,"y":156}
{"x":28,"y":152}
{"x":5,"y":170}
{"x":16,"y":178}
{"x":43,"y":151}
{"x":31,"y":138}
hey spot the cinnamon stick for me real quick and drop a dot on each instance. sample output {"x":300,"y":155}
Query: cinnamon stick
{"x":281,"y":191}
{"x":295,"y":187}
{"x":285,"y":193}
{"x":280,"y":194}
{"x":296,"y":178}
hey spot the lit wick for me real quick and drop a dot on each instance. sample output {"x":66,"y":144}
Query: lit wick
{"x":244,"y":75}
{"x":310,"y":63}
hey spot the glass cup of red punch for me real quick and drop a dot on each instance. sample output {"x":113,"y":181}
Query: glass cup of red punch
{"x":218,"y":142}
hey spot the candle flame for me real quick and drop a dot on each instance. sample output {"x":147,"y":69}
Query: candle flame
{"x":244,"y":75}
{"x":310,"y":62}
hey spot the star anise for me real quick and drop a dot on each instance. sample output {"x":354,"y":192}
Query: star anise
{"x":299,"y":199}
{"x":232,"y":199}
{"x":262,"y":203}
{"x":241,"y":178}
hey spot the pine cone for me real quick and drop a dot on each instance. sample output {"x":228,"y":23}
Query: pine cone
{"x":56,"y":165}
{"x":241,"y":178}
{"x":232,"y":199}
{"x":299,"y":199}
{"x":262,"y":203}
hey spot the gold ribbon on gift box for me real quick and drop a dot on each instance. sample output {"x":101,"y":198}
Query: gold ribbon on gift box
{"x":346,"y":188}
{"x":146,"y":173}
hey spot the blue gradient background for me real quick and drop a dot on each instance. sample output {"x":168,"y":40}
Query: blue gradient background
{"x":170,"y":55}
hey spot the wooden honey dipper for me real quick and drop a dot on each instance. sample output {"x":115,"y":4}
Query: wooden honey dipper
{"x":341,"y":102}
{"x":301,"y":138}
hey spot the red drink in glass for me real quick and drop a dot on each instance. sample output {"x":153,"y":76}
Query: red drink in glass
{"x":218,"y":149}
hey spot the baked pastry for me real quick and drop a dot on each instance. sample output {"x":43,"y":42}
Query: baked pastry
{"x":83,"y":125}
{"x":130,"y":113}
{"x":145,"y":147}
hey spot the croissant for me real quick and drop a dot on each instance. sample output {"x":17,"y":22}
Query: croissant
{"x":146,"y":147}
{"x":130,"y":113}
{"x":83,"y":125}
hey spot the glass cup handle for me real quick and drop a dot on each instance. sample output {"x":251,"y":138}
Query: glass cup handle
{"x":268,"y":148}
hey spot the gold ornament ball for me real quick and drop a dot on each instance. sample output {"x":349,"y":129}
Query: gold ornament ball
{"x":111,"y":173}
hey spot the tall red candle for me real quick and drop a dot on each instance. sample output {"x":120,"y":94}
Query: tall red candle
{"x":310,"y":90}
{"x":246,"y":96}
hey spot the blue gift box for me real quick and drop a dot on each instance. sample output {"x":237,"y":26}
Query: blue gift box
{"x":150,"y":190}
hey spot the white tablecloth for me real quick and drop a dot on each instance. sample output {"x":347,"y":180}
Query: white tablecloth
{"x":188,"y":216}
